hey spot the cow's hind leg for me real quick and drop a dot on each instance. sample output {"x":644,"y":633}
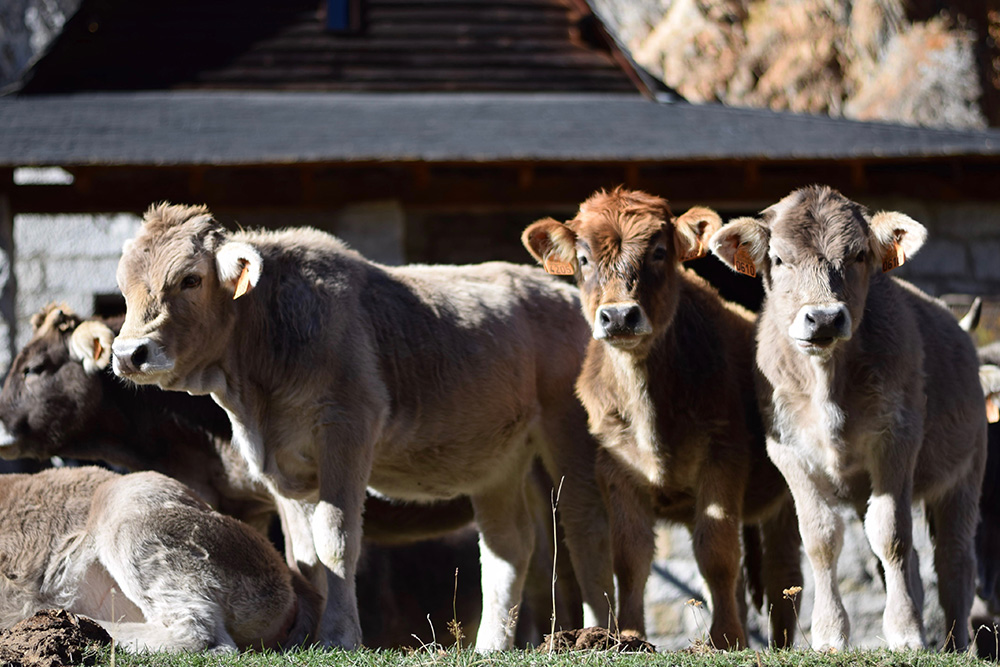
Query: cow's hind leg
{"x":569,"y":456}
{"x":954,"y":518}
{"x":782,"y":570}
{"x":506,"y":540}
{"x":630,"y":506}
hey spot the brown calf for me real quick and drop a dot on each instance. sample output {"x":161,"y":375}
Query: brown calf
{"x":422,"y":382}
{"x":871,"y":398}
{"x":668,"y":386}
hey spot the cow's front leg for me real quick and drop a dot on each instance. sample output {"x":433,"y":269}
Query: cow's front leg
{"x":822,"y":530}
{"x":345,"y":462}
{"x":716,"y":538}
{"x":506,"y":540}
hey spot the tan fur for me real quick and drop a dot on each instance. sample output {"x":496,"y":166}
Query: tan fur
{"x":144,"y":557}
{"x":870,"y":395}
{"x":669,"y":393}
{"x":423,"y":382}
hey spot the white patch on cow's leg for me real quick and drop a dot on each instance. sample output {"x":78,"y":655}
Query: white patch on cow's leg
{"x":506,"y":540}
{"x":822,"y":530}
{"x":889,"y":527}
{"x":955,"y":517}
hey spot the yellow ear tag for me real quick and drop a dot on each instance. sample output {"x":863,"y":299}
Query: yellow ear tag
{"x":993,"y":409}
{"x":896,"y":256}
{"x":697,"y":253}
{"x":243,"y":283}
{"x":557,"y":267}
{"x":98,"y":348}
{"x":743,"y":262}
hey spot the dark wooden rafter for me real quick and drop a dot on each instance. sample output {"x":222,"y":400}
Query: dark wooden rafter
{"x":326,"y":186}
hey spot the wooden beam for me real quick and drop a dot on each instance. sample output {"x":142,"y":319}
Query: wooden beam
{"x":503,"y":185}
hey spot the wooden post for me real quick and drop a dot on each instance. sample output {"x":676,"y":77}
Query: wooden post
{"x":8,"y":282}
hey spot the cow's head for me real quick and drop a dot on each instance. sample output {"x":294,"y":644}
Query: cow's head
{"x":624,"y":249}
{"x":52,"y":392}
{"x":179,"y":276}
{"x":817,"y":252}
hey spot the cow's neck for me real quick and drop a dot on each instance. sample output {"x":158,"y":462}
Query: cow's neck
{"x":631,"y":374}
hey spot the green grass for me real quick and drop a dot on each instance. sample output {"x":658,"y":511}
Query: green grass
{"x":467,"y":658}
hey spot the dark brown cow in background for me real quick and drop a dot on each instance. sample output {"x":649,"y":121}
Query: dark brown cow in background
{"x":871,"y":399}
{"x":425,"y":383}
{"x":668,"y":386}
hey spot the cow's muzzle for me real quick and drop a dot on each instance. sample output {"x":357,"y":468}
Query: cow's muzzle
{"x":135,"y":357}
{"x":817,"y":327}
{"x":621,"y":324}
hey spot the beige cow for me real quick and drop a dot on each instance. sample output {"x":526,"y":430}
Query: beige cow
{"x":148,"y":560}
{"x":422,"y":382}
{"x":668,"y":386}
{"x":871,"y":399}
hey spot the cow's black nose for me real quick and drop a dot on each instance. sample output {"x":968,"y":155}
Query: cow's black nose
{"x":139,"y":356}
{"x":621,"y":319}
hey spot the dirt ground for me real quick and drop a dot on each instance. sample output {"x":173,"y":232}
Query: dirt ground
{"x":51,"y":638}
{"x":597,"y":639}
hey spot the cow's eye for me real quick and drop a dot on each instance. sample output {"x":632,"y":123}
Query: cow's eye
{"x":659,"y":254}
{"x":582,"y":260}
{"x":862,"y":256}
{"x":190,"y":282}
{"x":34,"y":369}
{"x":776,"y":261}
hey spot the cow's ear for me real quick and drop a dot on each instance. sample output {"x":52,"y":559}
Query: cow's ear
{"x":742,"y":245}
{"x":692,"y":230}
{"x":239,"y":266}
{"x":895,"y":238}
{"x":552,"y":244}
{"x":90,"y":344}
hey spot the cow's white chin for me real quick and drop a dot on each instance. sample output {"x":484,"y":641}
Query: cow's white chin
{"x":821,"y":347}
{"x":623,"y":342}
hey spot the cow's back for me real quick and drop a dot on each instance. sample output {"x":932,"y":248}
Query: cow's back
{"x":954,"y":424}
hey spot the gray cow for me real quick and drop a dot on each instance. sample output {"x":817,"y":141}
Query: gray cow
{"x":337,"y":373}
{"x":871,"y":398}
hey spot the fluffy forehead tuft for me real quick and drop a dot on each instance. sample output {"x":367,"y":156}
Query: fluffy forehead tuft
{"x":620,"y":222}
{"x":820,"y":219}
{"x":54,"y":317}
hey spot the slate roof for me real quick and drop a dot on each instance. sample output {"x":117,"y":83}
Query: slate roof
{"x":403,"y":45}
{"x":212,"y":128}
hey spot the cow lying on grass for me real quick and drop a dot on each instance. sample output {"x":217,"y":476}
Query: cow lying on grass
{"x":424,"y":383}
{"x":143,"y":556}
{"x":668,"y":386}
{"x":870,"y":398}
{"x":61,"y":399}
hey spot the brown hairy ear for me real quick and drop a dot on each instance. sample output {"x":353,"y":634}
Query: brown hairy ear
{"x":552,"y":244}
{"x":741,"y":245}
{"x":895,"y":238}
{"x":692,"y":231}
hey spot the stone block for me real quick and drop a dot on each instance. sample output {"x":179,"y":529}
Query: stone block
{"x":95,"y":275}
{"x":986,"y":260}
{"x":30,"y":275}
{"x":56,"y":236}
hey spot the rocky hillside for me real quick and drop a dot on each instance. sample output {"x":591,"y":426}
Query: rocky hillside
{"x":26,"y":28}
{"x":907,"y":61}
